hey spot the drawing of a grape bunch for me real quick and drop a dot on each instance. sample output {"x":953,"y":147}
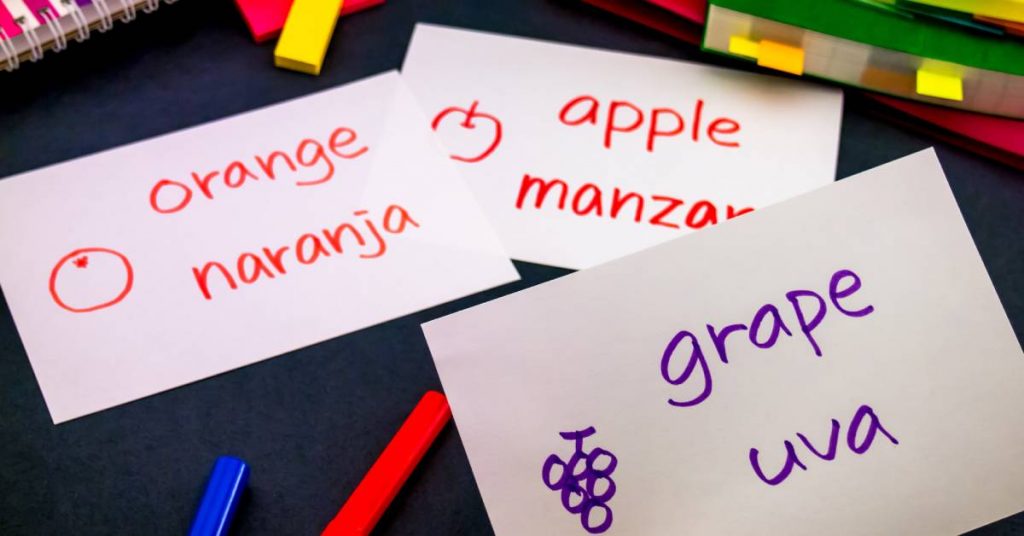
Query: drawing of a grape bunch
{"x":584,"y":482}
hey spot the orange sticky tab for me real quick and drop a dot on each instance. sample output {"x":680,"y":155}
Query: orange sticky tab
{"x":742,"y":46}
{"x":781,"y":57}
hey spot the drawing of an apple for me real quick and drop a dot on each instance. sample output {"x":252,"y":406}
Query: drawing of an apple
{"x":88,"y":279}
{"x":477,"y":144}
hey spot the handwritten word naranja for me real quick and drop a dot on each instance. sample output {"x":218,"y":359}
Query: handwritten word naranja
{"x":590,"y":200}
{"x":874,"y":426}
{"x":170,"y":196}
{"x":309,"y":248}
{"x":625,"y":117}
{"x":763,"y":332}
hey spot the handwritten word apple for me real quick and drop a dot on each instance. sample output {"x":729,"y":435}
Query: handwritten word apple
{"x":662,"y":122}
{"x":90,"y":279}
{"x":483,"y":142}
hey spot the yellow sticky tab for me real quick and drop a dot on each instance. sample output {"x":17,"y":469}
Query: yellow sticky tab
{"x":306,"y":34}
{"x":786,"y":58}
{"x":741,"y":46}
{"x":939,"y":83}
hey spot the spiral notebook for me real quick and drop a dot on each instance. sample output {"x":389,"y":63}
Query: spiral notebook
{"x":28,"y":28}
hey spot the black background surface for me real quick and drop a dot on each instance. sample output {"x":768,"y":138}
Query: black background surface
{"x":311,"y":422}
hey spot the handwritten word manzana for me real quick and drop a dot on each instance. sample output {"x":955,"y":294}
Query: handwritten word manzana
{"x":623,"y":117}
{"x":584,"y":482}
{"x":763,"y":332}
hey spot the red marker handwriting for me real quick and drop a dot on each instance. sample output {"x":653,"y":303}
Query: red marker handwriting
{"x":590,"y":200}
{"x":623,"y":117}
{"x":362,"y":238}
{"x":311,"y":163}
{"x":116,"y":280}
{"x":492,"y":138}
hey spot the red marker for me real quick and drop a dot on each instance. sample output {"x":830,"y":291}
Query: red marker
{"x":380,"y":485}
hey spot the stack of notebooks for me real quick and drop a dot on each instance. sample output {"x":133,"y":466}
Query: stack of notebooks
{"x":954,"y":69}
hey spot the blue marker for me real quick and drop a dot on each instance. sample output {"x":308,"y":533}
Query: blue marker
{"x":227,"y":482}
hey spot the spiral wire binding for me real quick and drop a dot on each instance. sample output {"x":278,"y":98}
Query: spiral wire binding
{"x":81,"y":24}
{"x":106,"y":20}
{"x":60,"y":41}
{"x":35,"y":46}
{"x":9,"y":53}
{"x":127,"y":10}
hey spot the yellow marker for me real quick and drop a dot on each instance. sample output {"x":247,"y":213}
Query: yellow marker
{"x":306,"y":34}
{"x":939,"y":80}
{"x":741,"y":46}
{"x":780,"y":57}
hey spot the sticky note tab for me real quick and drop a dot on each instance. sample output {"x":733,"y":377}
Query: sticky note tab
{"x":306,"y":34}
{"x":781,"y":57}
{"x":939,"y":81}
{"x":742,"y":46}
{"x":265,"y":18}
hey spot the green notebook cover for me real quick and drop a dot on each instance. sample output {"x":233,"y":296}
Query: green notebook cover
{"x":858,"y":21}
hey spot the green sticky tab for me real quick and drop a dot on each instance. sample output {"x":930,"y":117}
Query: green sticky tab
{"x":864,"y":23}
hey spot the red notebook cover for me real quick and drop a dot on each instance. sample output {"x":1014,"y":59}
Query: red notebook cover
{"x":998,"y":138}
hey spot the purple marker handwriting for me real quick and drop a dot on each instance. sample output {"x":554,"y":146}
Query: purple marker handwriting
{"x":684,"y":350}
{"x":584,"y":482}
{"x":856,"y":441}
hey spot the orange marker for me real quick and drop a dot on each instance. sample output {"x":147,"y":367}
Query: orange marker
{"x":380,"y":485}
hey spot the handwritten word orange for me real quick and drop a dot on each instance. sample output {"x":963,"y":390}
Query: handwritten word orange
{"x":169,"y":196}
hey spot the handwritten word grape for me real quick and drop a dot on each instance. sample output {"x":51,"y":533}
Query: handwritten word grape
{"x":584,"y":482}
{"x":874,"y":426}
{"x":764,"y":331}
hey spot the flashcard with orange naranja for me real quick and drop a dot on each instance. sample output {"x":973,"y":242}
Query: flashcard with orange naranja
{"x":153,"y":265}
{"x":580,"y":156}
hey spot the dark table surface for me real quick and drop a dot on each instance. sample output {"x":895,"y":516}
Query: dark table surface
{"x":311,"y":422}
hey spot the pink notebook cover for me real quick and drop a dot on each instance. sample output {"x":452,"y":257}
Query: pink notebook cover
{"x":265,"y":18}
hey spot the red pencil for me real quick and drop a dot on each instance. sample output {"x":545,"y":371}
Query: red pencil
{"x":380,"y":485}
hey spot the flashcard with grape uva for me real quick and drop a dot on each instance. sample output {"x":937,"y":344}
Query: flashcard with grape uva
{"x":838,"y":363}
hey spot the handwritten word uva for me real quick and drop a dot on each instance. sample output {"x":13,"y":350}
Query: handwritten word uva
{"x":857,"y":442}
